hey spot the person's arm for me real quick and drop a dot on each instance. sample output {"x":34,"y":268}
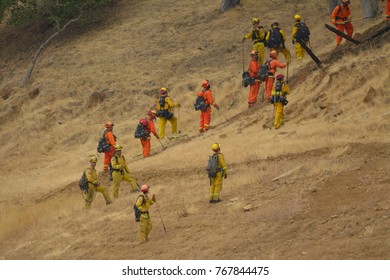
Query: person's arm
{"x":110,"y":138}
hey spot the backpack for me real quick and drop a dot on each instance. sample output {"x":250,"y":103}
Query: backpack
{"x":245,"y":79}
{"x":264,"y":70}
{"x":137,"y":212}
{"x":303,"y":32}
{"x":200,"y":104}
{"x":103,"y":146}
{"x":142,"y":130}
{"x":164,"y":113}
{"x":83,"y":183}
{"x":212,"y":166}
{"x":275,"y":38}
{"x":259,"y":35}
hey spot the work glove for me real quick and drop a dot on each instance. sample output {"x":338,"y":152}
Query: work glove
{"x":333,"y":22}
{"x":349,"y":19}
{"x":243,"y":39}
{"x":97,"y":183}
{"x":225,"y":176}
{"x":178,"y":105}
{"x":294,"y":41}
{"x":154,"y":198}
{"x":217,"y":106}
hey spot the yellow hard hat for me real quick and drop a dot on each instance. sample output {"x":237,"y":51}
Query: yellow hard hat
{"x":215,"y":147}
{"x":118,"y":147}
{"x":93,"y":159}
{"x":297,"y":17}
{"x":163,"y":90}
{"x":255,"y":20}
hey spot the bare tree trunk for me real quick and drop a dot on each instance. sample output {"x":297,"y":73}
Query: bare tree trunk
{"x":227,"y":4}
{"x":370,"y":8}
{"x":43,"y":46}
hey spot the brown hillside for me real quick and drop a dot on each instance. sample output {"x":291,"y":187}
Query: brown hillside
{"x":335,"y":145}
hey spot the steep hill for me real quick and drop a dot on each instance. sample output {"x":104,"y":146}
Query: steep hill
{"x":334,"y":148}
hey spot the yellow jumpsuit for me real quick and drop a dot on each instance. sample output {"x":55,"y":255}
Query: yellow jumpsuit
{"x":216,"y":182}
{"x":299,"y":51}
{"x":121,"y":173}
{"x":283,"y":48}
{"x":279,"y":112}
{"x":143,"y":203}
{"x":93,"y":187}
{"x":169,"y":105}
{"x":258,"y":34}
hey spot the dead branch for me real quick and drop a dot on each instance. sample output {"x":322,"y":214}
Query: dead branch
{"x":43,"y":46}
{"x":287,"y":173}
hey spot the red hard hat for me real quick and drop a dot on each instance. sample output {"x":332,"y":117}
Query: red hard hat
{"x":144,"y":188}
{"x":144,"y":122}
{"x":280,"y":77}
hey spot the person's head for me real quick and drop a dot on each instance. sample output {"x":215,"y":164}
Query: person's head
{"x":144,"y":188}
{"x":216,"y":147}
{"x":255,"y":21}
{"x":109,"y":125}
{"x":273,"y":54}
{"x":163,"y":91}
{"x":297,"y":18}
{"x":275,"y":24}
{"x":152,"y":114}
{"x":280,"y":77}
{"x":346,"y":2}
{"x":93,"y":161}
{"x":254,"y":54}
{"x":118,"y":149}
{"x":205,"y":84}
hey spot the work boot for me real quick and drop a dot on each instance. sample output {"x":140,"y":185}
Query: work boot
{"x":217,"y":201}
{"x":211,"y":201}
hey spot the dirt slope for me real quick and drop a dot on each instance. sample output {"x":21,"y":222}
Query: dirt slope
{"x":335,"y":144}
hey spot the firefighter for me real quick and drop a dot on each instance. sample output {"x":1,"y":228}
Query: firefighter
{"x":276,"y":41}
{"x":299,"y":51}
{"x":205,"y":117}
{"x":111,"y":139}
{"x":94,"y":185}
{"x":165,"y":106}
{"x":341,"y":17}
{"x":120,"y":172}
{"x":216,"y":182}
{"x":255,"y":83}
{"x":258,"y":35}
{"x":278,"y":98}
{"x":145,"y":142}
{"x":143,"y":203}
{"x":273,"y":64}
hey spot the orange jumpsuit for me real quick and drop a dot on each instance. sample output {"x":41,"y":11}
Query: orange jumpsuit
{"x":253,"y":69}
{"x":388,"y":10}
{"x":108,"y":155}
{"x":341,"y":17}
{"x":146,"y":142}
{"x":205,"y":117}
{"x":269,"y":81}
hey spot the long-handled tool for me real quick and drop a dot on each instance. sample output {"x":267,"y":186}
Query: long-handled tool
{"x":158,"y":210}
{"x":178,"y":119}
{"x":162,"y":145}
{"x":222,"y":114}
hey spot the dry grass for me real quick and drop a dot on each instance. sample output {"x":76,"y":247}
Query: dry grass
{"x":113,"y":71}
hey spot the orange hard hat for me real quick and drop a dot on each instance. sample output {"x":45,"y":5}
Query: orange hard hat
{"x":273,"y":54}
{"x":144,"y":188}
{"x":205,"y":83}
{"x":152,"y":113}
{"x":108,"y":124}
